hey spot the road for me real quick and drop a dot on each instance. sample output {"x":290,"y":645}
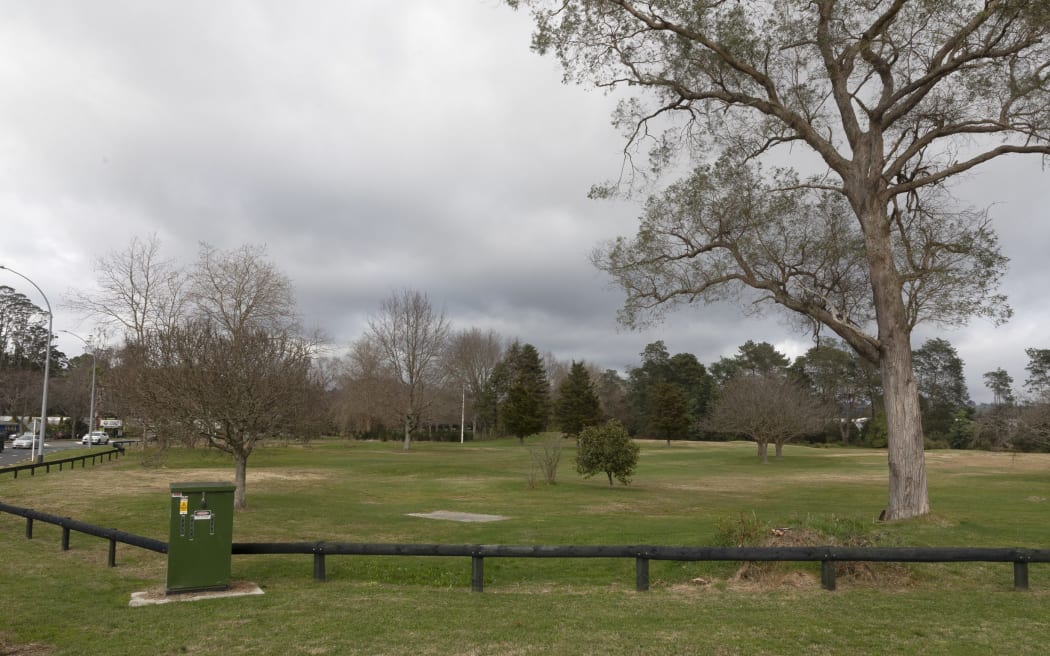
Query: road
{"x":22,"y":456}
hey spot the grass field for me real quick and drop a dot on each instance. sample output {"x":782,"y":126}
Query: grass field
{"x":55,"y":602}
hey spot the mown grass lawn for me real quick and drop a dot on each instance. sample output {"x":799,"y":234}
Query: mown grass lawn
{"x":55,"y":602}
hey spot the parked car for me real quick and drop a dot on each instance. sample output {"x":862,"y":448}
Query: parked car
{"x":25,"y":441}
{"x":95,"y":437}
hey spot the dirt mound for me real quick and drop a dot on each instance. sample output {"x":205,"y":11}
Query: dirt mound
{"x":770,"y":575}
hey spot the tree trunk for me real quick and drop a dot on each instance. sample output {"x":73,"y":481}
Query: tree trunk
{"x":907,"y":460}
{"x":240,"y":468}
{"x":780,"y":450}
{"x":907,"y":463}
{"x":408,"y":435}
{"x":763,"y":448}
{"x":609,"y":474}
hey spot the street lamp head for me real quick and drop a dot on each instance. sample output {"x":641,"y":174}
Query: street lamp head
{"x":88,"y":342}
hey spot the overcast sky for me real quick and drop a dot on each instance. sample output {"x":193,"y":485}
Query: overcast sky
{"x":373,"y":146}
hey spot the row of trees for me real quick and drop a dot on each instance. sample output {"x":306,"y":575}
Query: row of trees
{"x":1017,"y":419}
{"x":232,"y":366}
{"x":513,"y":390}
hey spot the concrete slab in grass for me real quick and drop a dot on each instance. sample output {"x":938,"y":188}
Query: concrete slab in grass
{"x":459,"y":516}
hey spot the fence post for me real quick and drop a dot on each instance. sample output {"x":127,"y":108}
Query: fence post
{"x":112,"y":561}
{"x":319,"y":564}
{"x":827,"y":574}
{"x":29,"y":528}
{"x":1020,"y":575}
{"x":477,"y":573}
{"x":641,"y":574}
{"x":65,"y":538}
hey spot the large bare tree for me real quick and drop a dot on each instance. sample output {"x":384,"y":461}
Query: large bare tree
{"x":471,"y":356}
{"x":891,"y":98}
{"x":240,"y":289}
{"x":234,"y":369}
{"x":411,"y":336}
{"x":138,"y":291}
{"x":232,"y":390}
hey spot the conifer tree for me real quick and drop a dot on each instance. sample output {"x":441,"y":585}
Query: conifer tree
{"x":578,"y":405}
{"x":527,"y":403}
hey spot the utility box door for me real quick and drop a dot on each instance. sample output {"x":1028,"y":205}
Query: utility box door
{"x":200,"y":537}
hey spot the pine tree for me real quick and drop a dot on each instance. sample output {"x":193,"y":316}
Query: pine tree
{"x":669,"y":407}
{"x":578,"y":405}
{"x":527,"y":403}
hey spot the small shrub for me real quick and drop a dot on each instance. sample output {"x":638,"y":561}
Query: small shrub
{"x":744,"y":530}
{"x":606,"y":448}
{"x":546,"y":455}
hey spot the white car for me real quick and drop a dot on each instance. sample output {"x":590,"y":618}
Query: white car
{"x":95,"y":437}
{"x":25,"y":441}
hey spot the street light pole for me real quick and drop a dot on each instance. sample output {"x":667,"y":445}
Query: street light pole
{"x":39,"y":457}
{"x":91,"y":412}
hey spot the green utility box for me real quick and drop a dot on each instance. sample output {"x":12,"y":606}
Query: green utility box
{"x":200,"y":539}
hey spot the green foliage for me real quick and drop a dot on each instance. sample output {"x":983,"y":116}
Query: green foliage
{"x":1001,"y":384}
{"x":670,"y":411}
{"x":578,"y":405}
{"x":751,"y":359}
{"x":527,"y":404}
{"x":960,"y":435}
{"x":875,"y":433}
{"x":942,"y":384}
{"x":839,"y":376}
{"x":23,"y":336}
{"x":648,"y":397}
{"x":612,"y":393}
{"x":760,"y":359}
{"x":607,"y":448}
{"x":1038,"y":368}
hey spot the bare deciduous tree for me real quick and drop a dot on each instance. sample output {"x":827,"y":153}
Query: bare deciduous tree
{"x":368,"y":394}
{"x":232,"y":390}
{"x":471,"y":356}
{"x":235,"y":369}
{"x":138,"y":291}
{"x":411,"y":338}
{"x":240,"y":289}
{"x":767,"y":408}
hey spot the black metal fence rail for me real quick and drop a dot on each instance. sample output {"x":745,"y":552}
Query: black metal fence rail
{"x":68,"y":524}
{"x":643,"y":554}
{"x":100,"y":456}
